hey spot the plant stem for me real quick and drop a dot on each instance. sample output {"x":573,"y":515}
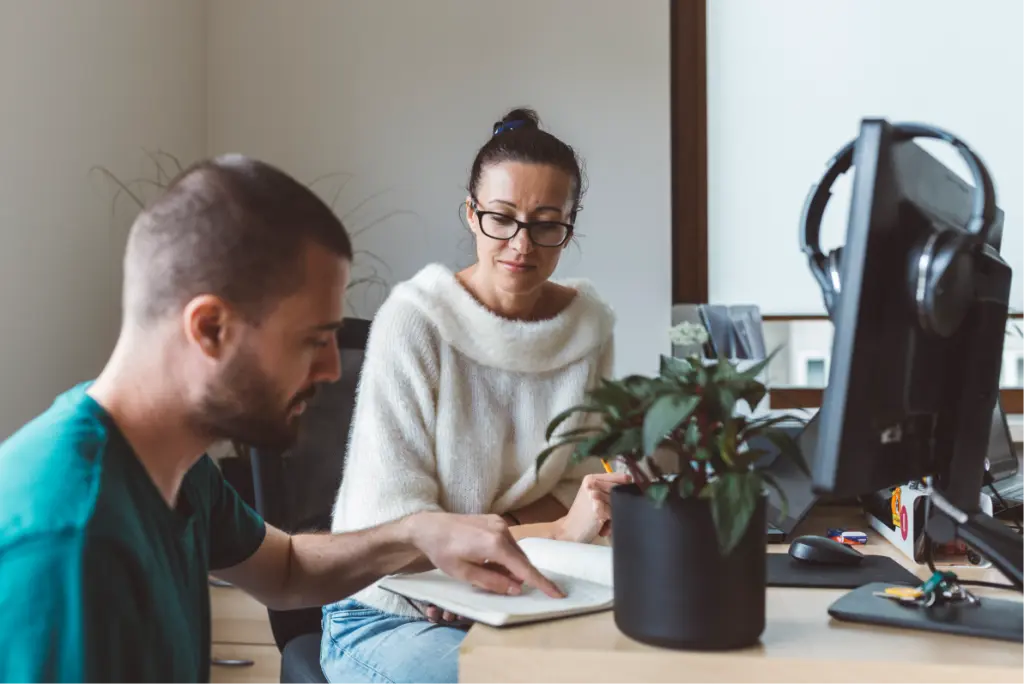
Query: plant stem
{"x":639,"y":479}
{"x":659,"y":476}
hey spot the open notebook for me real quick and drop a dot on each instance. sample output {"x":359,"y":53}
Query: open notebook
{"x":582,"y":571}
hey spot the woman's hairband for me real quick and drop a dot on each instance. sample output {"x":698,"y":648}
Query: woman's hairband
{"x":503,"y":126}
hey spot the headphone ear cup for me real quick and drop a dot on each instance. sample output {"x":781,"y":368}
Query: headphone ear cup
{"x":835,"y":262}
{"x":820,"y":271}
{"x":945,"y":283}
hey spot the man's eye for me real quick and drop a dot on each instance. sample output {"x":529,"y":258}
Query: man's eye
{"x":320,"y":343}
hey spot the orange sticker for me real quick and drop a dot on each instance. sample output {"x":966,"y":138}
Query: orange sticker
{"x":895,"y":506}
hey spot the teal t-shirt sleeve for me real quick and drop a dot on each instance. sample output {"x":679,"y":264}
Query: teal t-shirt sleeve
{"x":41,"y":611}
{"x":236,"y":530}
{"x":64,"y":617}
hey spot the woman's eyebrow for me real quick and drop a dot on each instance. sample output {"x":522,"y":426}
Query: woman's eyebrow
{"x":512,"y":205}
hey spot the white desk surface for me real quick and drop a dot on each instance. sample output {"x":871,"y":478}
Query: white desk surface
{"x":800,"y":643}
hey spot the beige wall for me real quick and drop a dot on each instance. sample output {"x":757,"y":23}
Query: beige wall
{"x":400,"y":94}
{"x":82,"y":83}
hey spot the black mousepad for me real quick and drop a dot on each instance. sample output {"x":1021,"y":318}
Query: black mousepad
{"x":784,"y":571}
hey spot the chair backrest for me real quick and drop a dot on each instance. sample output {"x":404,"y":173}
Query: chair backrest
{"x":295,"y":489}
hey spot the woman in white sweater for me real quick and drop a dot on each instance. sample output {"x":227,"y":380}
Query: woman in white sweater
{"x":462,"y":373}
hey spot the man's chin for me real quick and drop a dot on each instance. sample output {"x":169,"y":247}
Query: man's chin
{"x":272,"y":440}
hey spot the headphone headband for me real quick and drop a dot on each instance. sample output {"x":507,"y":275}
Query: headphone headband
{"x":983,"y":205}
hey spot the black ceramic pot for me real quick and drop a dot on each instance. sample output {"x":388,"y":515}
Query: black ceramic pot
{"x":673,"y":586}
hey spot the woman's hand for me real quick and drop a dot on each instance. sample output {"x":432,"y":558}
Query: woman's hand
{"x":439,"y":616}
{"x":591,"y":511}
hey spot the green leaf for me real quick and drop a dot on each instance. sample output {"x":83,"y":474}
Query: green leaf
{"x":788,"y":448}
{"x":578,"y":434}
{"x":639,"y":385}
{"x":674,"y":368}
{"x":770,"y":481}
{"x":724,"y":371}
{"x":701,"y":375}
{"x":744,"y":459}
{"x":756,"y":369}
{"x":760,"y":424}
{"x":629,"y":441}
{"x":566,"y":414}
{"x":733,"y":497}
{"x":571,"y":437}
{"x":613,"y":396}
{"x":664,"y":416}
{"x":657,"y":493}
{"x":543,"y":456}
{"x":701,"y":454}
{"x":753,"y":393}
{"x":727,"y":401}
{"x":692,"y":435}
{"x":728,"y":444}
{"x":598,"y":445}
{"x":686,"y":487}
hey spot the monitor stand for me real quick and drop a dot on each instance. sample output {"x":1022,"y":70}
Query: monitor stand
{"x":994,"y":618}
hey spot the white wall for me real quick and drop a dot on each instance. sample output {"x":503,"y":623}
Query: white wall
{"x":401,"y":94}
{"x":788,"y":83}
{"x":83,"y":83}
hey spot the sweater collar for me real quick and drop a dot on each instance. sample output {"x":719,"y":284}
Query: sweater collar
{"x":518,"y":346}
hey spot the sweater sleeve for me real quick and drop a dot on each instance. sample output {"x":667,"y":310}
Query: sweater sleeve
{"x":391,"y":469}
{"x":567,"y":487}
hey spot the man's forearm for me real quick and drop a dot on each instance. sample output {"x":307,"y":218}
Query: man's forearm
{"x":323,"y":568}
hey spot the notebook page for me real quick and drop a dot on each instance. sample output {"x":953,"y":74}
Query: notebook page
{"x":464,"y":599}
{"x":591,"y":562}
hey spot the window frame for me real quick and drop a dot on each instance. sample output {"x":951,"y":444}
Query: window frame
{"x":689,"y":184}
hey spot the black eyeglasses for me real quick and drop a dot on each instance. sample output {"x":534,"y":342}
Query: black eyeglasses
{"x":499,"y":226}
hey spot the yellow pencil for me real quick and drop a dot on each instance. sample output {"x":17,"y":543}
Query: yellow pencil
{"x":607,"y":468}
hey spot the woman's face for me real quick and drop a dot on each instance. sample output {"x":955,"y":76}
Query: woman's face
{"x":536,"y":194}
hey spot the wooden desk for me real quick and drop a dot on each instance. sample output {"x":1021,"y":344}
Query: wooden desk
{"x":800,"y":643}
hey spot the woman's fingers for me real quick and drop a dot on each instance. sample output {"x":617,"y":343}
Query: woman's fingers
{"x":608,"y":481}
{"x":438,"y":616}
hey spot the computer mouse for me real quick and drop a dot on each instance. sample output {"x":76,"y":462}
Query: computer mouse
{"x":824,"y":551}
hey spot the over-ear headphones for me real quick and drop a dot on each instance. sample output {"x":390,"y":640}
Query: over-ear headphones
{"x":942,"y":279}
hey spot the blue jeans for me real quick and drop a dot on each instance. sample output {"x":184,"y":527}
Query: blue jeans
{"x":362,"y":644}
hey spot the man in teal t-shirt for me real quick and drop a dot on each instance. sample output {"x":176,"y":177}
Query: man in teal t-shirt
{"x":111,"y":515}
{"x":114,"y":579}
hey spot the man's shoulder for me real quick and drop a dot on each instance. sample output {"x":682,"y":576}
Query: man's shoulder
{"x":52,"y":469}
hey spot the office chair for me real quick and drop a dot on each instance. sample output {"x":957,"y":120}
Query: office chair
{"x":295,"y":491}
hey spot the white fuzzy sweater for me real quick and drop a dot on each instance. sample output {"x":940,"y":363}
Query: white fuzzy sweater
{"x":453,"y":402}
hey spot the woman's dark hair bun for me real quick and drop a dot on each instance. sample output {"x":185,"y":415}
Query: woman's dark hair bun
{"x":523,"y":116}
{"x":518,"y":137}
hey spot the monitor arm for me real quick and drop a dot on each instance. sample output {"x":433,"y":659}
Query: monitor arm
{"x":1003,"y":547}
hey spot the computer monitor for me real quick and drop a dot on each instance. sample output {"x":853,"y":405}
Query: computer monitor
{"x":903,"y":405}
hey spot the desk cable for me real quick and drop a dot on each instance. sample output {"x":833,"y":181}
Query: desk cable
{"x":929,"y":559}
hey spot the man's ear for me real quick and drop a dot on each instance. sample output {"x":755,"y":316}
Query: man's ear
{"x":208,"y":324}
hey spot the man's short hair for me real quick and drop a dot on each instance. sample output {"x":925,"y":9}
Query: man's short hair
{"x":232,"y":227}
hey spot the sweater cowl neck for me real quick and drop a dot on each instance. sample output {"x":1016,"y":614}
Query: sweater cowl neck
{"x":518,"y":346}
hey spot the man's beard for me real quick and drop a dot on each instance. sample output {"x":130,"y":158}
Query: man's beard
{"x":244,"y":406}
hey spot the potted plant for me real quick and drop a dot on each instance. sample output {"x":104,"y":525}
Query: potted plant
{"x":688,"y":546}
